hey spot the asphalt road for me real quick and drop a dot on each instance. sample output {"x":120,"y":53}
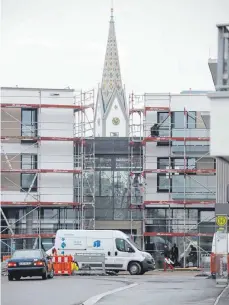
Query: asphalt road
{"x":158,"y":288}
{"x":167,"y":289}
{"x":57,"y":291}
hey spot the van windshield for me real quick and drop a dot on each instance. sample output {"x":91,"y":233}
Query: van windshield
{"x":134,"y":244}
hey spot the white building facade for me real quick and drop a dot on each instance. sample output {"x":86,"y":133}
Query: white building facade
{"x":37,"y":133}
{"x":219,"y":114}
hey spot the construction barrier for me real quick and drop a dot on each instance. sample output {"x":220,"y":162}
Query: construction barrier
{"x":62,"y":264}
{"x":5,"y":257}
{"x":215,"y":265}
{"x":168,"y":263}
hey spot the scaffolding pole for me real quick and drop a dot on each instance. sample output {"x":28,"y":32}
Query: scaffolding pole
{"x":156,"y":104}
{"x":83,"y":104}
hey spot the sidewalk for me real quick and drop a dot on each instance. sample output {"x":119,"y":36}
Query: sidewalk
{"x":224,"y":299}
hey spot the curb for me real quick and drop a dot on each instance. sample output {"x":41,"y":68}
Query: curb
{"x":221,"y":295}
{"x":93,"y":300}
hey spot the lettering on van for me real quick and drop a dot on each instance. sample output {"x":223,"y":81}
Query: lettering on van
{"x":77,"y":242}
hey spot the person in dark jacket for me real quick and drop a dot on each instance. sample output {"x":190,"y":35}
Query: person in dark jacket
{"x":193,"y":255}
{"x":154,"y":130}
{"x":175,"y":254}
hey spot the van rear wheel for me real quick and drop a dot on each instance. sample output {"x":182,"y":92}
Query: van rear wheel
{"x":135,"y":268}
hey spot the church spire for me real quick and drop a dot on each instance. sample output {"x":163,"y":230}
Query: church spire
{"x":111,"y":72}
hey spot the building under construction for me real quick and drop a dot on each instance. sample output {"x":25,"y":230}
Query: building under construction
{"x":157,"y":184}
{"x":172,"y":174}
{"x":148,"y":171}
{"x":47,"y":164}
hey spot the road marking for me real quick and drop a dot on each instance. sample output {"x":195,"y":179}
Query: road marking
{"x":93,"y":300}
{"x":219,"y":296}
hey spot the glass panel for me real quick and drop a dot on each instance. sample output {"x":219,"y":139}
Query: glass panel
{"x":136,"y":163}
{"x":163,"y":163}
{"x":178,"y":119}
{"x":29,"y":130}
{"x":28,"y":161}
{"x":120,"y":183}
{"x":122,"y":162}
{"x":191,"y":119}
{"x":121,"y":245}
{"x":26,"y":117}
{"x":26,"y":180}
{"x":121,"y":214}
{"x":105,"y":162}
{"x":97,"y":183}
{"x":164,"y":123}
{"x":163,"y":182}
{"x":106,"y":183}
{"x":137,"y":189}
{"x":29,"y":124}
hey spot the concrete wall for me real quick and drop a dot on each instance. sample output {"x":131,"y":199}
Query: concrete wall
{"x":219,"y":123}
{"x":222,"y":180}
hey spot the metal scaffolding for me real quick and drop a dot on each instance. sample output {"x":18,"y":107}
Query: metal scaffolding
{"x":166,"y":153}
{"x":82,"y":168}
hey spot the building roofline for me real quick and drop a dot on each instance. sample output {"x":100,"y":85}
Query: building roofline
{"x":218,"y":94}
{"x":38,"y":89}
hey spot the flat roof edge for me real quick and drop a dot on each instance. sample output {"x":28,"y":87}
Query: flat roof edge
{"x":36,"y":89}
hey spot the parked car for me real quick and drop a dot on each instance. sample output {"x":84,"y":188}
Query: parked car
{"x":25,"y":263}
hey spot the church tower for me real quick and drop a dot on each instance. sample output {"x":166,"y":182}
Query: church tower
{"x":111,"y":118}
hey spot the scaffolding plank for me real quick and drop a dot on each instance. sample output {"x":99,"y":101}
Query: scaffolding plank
{"x":148,"y":108}
{"x":167,"y":139}
{"x":41,"y":138}
{"x":136,"y":110}
{"x":178,"y":234}
{"x":13,"y":105}
{"x":182,"y":171}
{"x":38,"y":171}
{"x":18,"y":236}
{"x":38,"y":203}
{"x":182,"y":202}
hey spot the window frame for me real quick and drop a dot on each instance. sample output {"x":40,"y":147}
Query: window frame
{"x":172,"y":166}
{"x":163,"y":143}
{"x":126,"y":246}
{"x":33,"y":166}
{"x":35,"y":124}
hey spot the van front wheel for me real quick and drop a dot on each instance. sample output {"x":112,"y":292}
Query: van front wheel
{"x":135,"y":268}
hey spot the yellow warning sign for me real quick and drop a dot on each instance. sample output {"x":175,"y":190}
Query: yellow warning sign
{"x":221,"y":220}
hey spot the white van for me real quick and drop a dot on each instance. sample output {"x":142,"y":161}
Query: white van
{"x":121,"y":253}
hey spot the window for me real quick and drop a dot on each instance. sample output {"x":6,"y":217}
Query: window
{"x":106,"y":183}
{"x":163,"y":119}
{"x":123,"y":246}
{"x":178,"y":120}
{"x":29,"y":122}
{"x":122,"y":162}
{"x":114,"y":134}
{"x":29,"y":181}
{"x":164,"y":181}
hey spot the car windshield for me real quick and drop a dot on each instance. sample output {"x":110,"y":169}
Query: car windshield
{"x":134,"y":244}
{"x":27,"y":254}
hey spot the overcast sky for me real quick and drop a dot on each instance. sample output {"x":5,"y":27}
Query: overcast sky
{"x":164,"y":45}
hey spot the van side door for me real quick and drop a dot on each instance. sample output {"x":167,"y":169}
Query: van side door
{"x":124,"y":252}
